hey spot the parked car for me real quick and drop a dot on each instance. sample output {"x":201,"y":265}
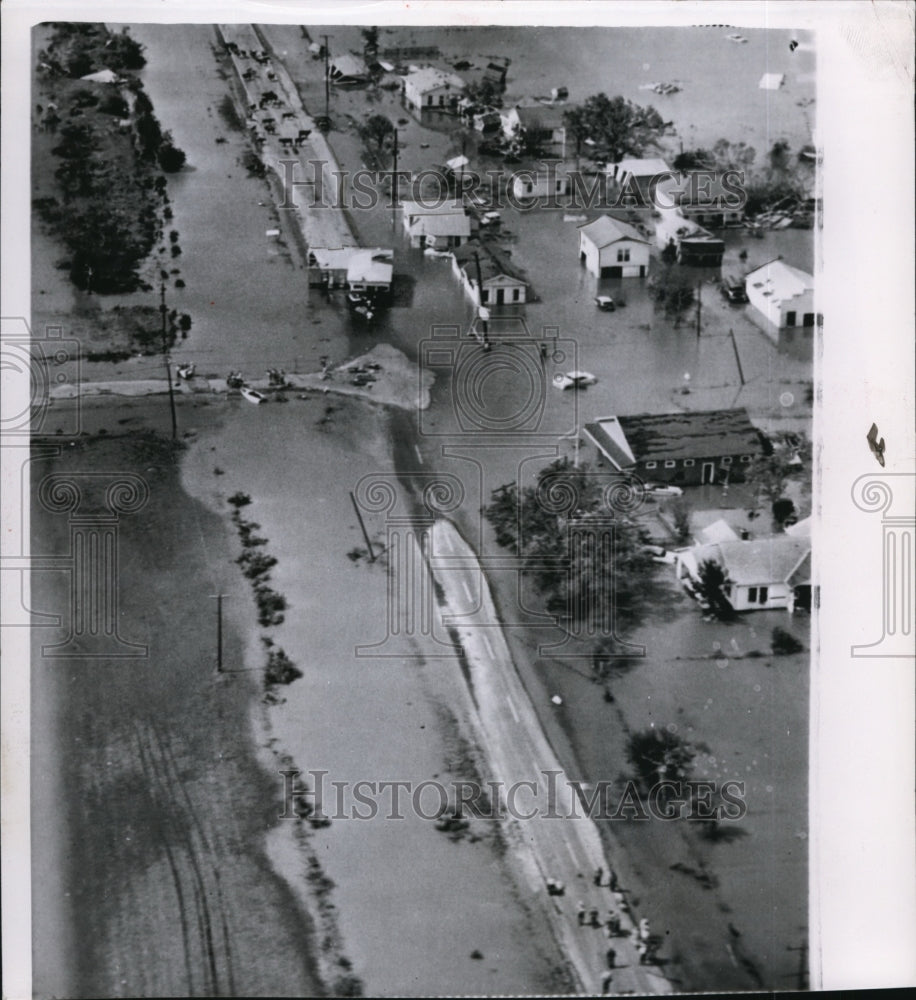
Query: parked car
{"x":605,"y":303}
{"x":490,"y":219}
{"x":253,"y":396}
{"x":733,"y":289}
{"x":662,"y":490}
{"x":574,"y":380}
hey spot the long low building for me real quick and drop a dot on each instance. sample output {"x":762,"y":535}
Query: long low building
{"x":502,"y":282}
{"x":360,"y":269}
{"x":708,"y":446}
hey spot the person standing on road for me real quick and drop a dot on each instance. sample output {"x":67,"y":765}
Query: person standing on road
{"x":606,"y":978}
{"x":611,"y":956}
{"x":580,"y":912}
{"x":599,"y":876}
{"x":594,"y":920}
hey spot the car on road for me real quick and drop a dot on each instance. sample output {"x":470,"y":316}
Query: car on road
{"x":605,"y":303}
{"x":733,"y":289}
{"x":490,"y":219}
{"x":253,"y":396}
{"x":662,"y":490}
{"x":574,"y":380}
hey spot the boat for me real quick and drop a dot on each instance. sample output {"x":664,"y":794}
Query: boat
{"x":740,"y":39}
{"x":253,"y":396}
{"x":574,"y":380}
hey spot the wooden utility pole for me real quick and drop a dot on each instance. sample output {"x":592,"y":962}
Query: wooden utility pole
{"x":363,"y":526}
{"x":699,"y":304}
{"x":219,"y":630}
{"x":486,"y":325}
{"x":165,"y":355}
{"x":731,"y":334}
{"x":327,"y":83}
{"x":394,"y":177}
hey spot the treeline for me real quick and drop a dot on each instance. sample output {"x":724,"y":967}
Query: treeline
{"x":111,"y":153}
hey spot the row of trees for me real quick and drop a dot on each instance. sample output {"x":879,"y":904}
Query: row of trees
{"x":76,"y":49}
{"x":111,"y":194}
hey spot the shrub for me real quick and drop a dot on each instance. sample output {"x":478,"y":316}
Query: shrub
{"x":239,"y":500}
{"x":170,"y":157}
{"x":783,"y":643}
{"x":280,"y":669}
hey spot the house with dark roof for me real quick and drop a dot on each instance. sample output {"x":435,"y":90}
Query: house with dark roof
{"x":760,"y":573}
{"x":540,"y":124}
{"x":690,"y":449}
{"x":347,"y":70}
{"x":613,"y":249}
{"x":501,"y":282}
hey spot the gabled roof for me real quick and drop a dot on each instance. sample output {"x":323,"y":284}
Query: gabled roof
{"x":778,"y":281}
{"x":604,"y":231}
{"x":761,"y":561}
{"x":429,"y":78}
{"x":348,"y":65}
{"x":609,"y":437}
{"x":540,"y":117}
{"x":640,"y":167}
{"x":492,"y":264}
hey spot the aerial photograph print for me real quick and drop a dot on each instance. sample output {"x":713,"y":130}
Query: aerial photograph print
{"x":421,"y":485}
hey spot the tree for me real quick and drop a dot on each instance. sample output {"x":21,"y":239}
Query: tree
{"x":616,"y":126}
{"x":485,"y":92}
{"x":680,"y":513}
{"x":377,"y":134}
{"x":170,"y":157}
{"x":779,"y":157}
{"x":659,"y":755}
{"x":551,"y":526}
{"x":370,"y":42}
{"x":712,"y":585}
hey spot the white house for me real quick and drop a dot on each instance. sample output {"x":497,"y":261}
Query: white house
{"x":436,"y":225}
{"x":553,"y":183}
{"x":612,"y":249}
{"x":502,"y":283}
{"x":641,"y":177}
{"x":761,"y":573}
{"x":781,"y":298}
{"x":370,"y":270}
{"x":431,"y":89}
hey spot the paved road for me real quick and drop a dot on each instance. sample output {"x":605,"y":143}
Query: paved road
{"x":568,"y":849}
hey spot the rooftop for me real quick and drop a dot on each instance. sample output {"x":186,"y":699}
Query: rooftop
{"x":372,"y":266}
{"x":430,"y":78}
{"x":452,"y":207}
{"x":541,"y":116}
{"x":640,"y":167}
{"x":442,"y":225}
{"x":778,"y":281}
{"x":701,"y":434}
{"x":604,"y":231}
{"x":761,"y":561}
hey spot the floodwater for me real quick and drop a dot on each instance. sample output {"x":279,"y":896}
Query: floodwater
{"x":404,"y":882}
{"x":412,"y":905}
